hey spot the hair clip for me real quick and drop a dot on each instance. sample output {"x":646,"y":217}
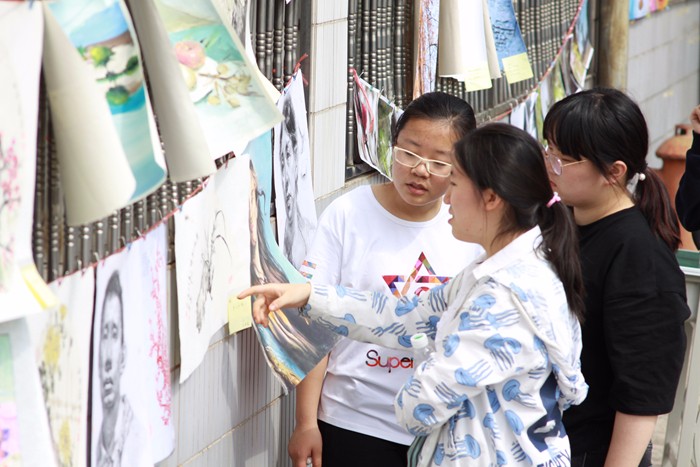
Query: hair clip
{"x":555,"y":199}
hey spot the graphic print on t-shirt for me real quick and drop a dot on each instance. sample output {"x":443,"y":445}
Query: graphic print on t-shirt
{"x":417,"y":281}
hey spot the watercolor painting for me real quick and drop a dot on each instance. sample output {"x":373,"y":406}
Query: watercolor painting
{"x":228,"y":95}
{"x":294,"y":196}
{"x":131,"y":421}
{"x":212,"y":255}
{"x":293,"y":345}
{"x":61,"y":339}
{"x":101,"y":31}
{"x":9,"y":429}
{"x":19,"y":94}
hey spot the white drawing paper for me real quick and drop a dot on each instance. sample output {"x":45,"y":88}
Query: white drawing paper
{"x":294,"y":196}
{"x":61,"y":340}
{"x":212,"y":255}
{"x":131,"y":422}
{"x":25,"y":427}
{"x":19,"y":98}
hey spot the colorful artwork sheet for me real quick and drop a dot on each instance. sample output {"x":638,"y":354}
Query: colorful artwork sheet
{"x":213,"y":256}
{"x":641,"y":8}
{"x":426,"y":25}
{"x":294,"y":196}
{"x":184,"y":142}
{"x":511,"y":49}
{"x":24,"y":428}
{"x":22,"y":291}
{"x":366,"y":102}
{"x":131,"y":397}
{"x":581,"y":51}
{"x":231,"y":102}
{"x":387,"y":116}
{"x":293,"y":346}
{"x":102,"y":32}
{"x":61,"y":339}
{"x":96,"y":178}
{"x":462,"y":44}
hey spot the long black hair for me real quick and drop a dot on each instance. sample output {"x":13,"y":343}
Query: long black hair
{"x":604,"y":125}
{"x":456,"y":112}
{"x":510,"y":162}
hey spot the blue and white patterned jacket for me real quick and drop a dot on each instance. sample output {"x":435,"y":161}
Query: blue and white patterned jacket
{"x":505,"y":366}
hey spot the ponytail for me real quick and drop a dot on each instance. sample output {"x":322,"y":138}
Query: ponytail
{"x":651,"y":197}
{"x":561,"y":249}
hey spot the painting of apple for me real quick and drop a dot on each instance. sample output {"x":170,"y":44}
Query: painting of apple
{"x":190,"y":53}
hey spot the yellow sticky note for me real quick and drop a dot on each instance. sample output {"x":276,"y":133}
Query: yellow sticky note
{"x":517,"y":68}
{"x":38,"y":287}
{"x":239,"y":316}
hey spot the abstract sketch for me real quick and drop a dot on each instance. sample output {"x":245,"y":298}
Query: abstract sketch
{"x":131,"y":398}
{"x":19,"y":95}
{"x":101,"y":31}
{"x":212,"y":255}
{"x":61,"y":339}
{"x":294,"y":197}
{"x":293,"y":346}
{"x":512,"y":53}
{"x":427,"y":22}
{"x":9,"y":428}
{"x":228,"y":95}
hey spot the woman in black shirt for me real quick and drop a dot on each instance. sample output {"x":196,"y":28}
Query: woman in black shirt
{"x":633,"y":339}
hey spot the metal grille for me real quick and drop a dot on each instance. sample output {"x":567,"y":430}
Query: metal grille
{"x":380,"y":48}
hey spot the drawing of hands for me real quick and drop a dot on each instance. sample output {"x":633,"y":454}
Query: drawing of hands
{"x":273,"y":297}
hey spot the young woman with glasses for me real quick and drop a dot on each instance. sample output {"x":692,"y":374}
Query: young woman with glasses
{"x":633,"y":339}
{"x":392,"y":238}
{"x":505,"y":361}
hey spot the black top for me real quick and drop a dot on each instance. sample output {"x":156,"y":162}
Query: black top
{"x":633,"y":339}
{"x":688,"y":195}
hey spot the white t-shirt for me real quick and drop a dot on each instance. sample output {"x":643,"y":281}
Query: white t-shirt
{"x":359,"y":244}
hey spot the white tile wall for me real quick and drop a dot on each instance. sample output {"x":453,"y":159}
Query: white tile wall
{"x":664,"y":69}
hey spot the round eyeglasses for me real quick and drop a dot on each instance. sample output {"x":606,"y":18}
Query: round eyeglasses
{"x":556,"y":164}
{"x":412,"y":160}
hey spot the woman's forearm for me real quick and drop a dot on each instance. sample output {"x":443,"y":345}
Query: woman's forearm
{"x":630,"y":438}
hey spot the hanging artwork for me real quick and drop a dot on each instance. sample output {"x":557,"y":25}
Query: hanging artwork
{"x":293,"y":346}
{"x":387,"y":117}
{"x":427,"y":25}
{"x":294,"y":196}
{"x":131,"y":420}
{"x":640,"y":8}
{"x":511,"y":49}
{"x":102,"y":33}
{"x":184,"y":142}
{"x":22,"y":291}
{"x":366,"y":101}
{"x":24,"y":428}
{"x":61,"y":339}
{"x":463,"y":54}
{"x":212,"y":255}
{"x":231,"y":102}
{"x":581,"y":51}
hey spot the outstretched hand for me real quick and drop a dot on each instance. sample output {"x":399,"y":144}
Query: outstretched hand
{"x":695,"y":119}
{"x":272,"y":297}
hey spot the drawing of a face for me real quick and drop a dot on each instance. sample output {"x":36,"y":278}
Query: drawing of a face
{"x":290,"y":141}
{"x":112,"y":350}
